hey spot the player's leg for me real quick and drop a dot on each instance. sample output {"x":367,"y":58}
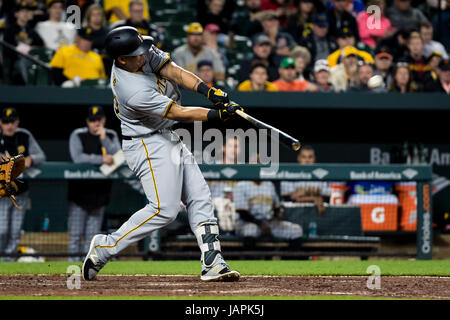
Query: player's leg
{"x":197,"y":198}
{"x":5,"y":215}
{"x":161,"y":178}
{"x":16,"y":217}
{"x":76,"y":225}
{"x":93,"y":226}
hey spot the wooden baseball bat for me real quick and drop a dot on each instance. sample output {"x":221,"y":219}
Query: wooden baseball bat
{"x":286,"y":139}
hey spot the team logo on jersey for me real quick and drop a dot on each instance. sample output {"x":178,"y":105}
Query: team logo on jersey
{"x":20,"y":149}
{"x":114,"y":80}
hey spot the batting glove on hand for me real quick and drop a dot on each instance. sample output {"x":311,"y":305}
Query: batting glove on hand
{"x":218,"y":97}
{"x":227,"y":112}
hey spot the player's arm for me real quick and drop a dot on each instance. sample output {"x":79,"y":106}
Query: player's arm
{"x":191,"y":114}
{"x":190,"y":81}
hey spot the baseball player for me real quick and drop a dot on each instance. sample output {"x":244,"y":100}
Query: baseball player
{"x":144,"y":83}
{"x":258,"y":207}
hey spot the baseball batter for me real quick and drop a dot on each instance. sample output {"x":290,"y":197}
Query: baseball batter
{"x":144,"y":83}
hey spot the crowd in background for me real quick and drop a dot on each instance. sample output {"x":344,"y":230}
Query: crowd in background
{"x":294,"y":45}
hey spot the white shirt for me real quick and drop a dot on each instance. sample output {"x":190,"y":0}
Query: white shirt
{"x":56,"y":34}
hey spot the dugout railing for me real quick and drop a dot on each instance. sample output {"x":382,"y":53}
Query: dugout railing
{"x":48,"y":188}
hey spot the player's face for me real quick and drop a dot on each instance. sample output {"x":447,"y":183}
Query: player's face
{"x":9,"y":127}
{"x":306,"y":157}
{"x":133,"y":64}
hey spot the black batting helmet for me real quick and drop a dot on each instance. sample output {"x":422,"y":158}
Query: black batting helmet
{"x":126,"y":41}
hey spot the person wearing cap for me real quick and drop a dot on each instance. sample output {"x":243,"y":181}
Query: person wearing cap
{"x":403,"y":15}
{"x":205,"y":71}
{"x":339,"y":18}
{"x":258,"y":79}
{"x":281,"y":41}
{"x":246,"y":22}
{"x":262,"y":51}
{"x":322,"y":76}
{"x":442,"y":84}
{"x":430,"y":45}
{"x":136,"y":19}
{"x":117,"y":10}
{"x":23,"y":37}
{"x":77,"y":62}
{"x":319,"y":42}
{"x":397,"y":43}
{"x":54,"y":32}
{"x":344,"y":75}
{"x":344,"y":39}
{"x":16,"y":140}
{"x":188,"y":55}
{"x":370,"y":30}
{"x":211,"y":39}
{"x":383,"y":65}
{"x":96,"y":145}
{"x":288,"y":75}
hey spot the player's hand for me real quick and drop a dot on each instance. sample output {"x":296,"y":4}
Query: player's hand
{"x":101,"y":132}
{"x":108,"y":159}
{"x":217,"y":97}
{"x":28,"y":162}
{"x":228,"y":111}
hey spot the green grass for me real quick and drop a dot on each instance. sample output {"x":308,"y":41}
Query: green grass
{"x":257,"y":267}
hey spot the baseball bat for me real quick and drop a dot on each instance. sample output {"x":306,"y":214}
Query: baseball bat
{"x":285,"y":139}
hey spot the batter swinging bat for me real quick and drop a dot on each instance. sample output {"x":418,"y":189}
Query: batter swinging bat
{"x":286,"y":139}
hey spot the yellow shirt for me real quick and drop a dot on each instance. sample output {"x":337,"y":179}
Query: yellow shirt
{"x":247,"y":86}
{"x":333,"y":59}
{"x":75,"y":62}
{"x":123,"y":4}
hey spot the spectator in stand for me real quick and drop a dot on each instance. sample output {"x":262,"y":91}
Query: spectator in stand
{"x":441,"y":20}
{"x":430,"y":46}
{"x":117,"y":10}
{"x":38,"y":10}
{"x":188,"y":55}
{"x":299,"y":25}
{"x":397,"y":44}
{"x":82,"y":4}
{"x":418,"y":64}
{"x":365,"y":72}
{"x":23,"y":38}
{"x":215,"y":13}
{"x":75,"y":63}
{"x":205,"y":71}
{"x":434,"y":60}
{"x":96,"y":20}
{"x":247,"y":22}
{"x":402,"y":81}
{"x":352,"y":6}
{"x":262,"y":50}
{"x":383,"y":66}
{"x":322,"y":76}
{"x":302,"y":58}
{"x":339,"y":18}
{"x":258,"y":79}
{"x":15,"y":140}
{"x":403,"y":16}
{"x":319,"y":43}
{"x":371,"y":27}
{"x":346,"y":38}
{"x":54,"y":32}
{"x":137,"y":20}
{"x":344,"y":75}
{"x":283,"y":9}
{"x":288,"y":81}
{"x":280,"y":40}
{"x":211,"y":40}
{"x":442,"y":84}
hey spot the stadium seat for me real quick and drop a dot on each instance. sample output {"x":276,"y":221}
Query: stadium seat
{"x":42,"y":53}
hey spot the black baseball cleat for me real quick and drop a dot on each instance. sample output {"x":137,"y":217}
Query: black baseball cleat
{"x":220,"y":272}
{"x":92,"y":265}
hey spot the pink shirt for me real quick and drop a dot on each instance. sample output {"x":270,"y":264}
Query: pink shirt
{"x":366,"y":34}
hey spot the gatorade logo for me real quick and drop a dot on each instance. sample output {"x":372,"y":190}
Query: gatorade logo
{"x":378,"y":215}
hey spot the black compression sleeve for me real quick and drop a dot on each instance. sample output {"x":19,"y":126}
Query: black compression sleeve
{"x":203,"y":89}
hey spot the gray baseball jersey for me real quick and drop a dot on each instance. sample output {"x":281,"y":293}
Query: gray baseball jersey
{"x":143,"y":99}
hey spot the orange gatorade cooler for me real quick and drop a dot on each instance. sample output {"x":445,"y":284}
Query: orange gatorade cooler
{"x":337,"y":192}
{"x":378,"y":212}
{"x":407,"y":198}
